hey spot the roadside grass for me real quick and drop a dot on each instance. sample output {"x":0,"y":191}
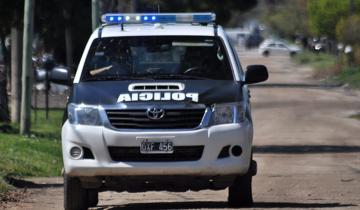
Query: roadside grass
{"x":328,"y":68}
{"x":318,"y":61}
{"x":36,"y":155}
{"x":349,"y":75}
{"x":356,"y":116}
{"x":51,"y":128}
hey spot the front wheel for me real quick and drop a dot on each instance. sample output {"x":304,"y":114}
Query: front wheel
{"x":240,"y":192}
{"x":75,"y":197}
{"x":93,"y":198}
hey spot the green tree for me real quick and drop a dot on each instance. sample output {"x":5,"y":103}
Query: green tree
{"x":224,"y":9}
{"x":325,"y":14}
{"x":288,"y":18}
{"x":348,"y":30}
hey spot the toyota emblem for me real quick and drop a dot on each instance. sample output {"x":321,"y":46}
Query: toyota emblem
{"x":155,"y":113}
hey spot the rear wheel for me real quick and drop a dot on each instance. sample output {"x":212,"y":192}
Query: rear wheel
{"x":75,"y":197}
{"x":266,"y":53}
{"x":240,"y":192}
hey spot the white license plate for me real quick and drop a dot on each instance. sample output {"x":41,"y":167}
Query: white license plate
{"x":156,"y":146}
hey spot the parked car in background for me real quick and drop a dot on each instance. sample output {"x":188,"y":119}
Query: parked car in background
{"x":238,"y":36}
{"x":274,"y":47}
{"x":254,"y":39}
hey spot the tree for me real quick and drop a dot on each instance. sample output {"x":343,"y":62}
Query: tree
{"x":224,"y":9}
{"x":55,"y":24}
{"x":9,"y":15}
{"x":16,"y":43}
{"x":16,"y":61}
{"x":4,"y":112}
{"x":348,"y":30}
{"x":325,"y":14}
{"x":287,"y":18}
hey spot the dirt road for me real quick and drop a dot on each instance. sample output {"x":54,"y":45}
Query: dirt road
{"x":307,"y":148}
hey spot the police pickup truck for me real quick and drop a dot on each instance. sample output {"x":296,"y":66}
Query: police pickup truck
{"x":159,"y":102}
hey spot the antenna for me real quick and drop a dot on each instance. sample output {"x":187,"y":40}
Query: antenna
{"x":158,"y":6}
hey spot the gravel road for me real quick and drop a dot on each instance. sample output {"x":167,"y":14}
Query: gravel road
{"x":306,"y":145}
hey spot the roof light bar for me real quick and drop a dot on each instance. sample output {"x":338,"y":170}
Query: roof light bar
{"x":113,"y":18}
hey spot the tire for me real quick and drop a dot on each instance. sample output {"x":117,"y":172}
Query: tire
{"x":93,"y":198}
{"x":75,"y":197}
{"x":240,"y":192}
{"x":266,"y":53}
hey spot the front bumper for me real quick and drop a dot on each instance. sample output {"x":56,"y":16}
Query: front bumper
{"x":214,"y":139}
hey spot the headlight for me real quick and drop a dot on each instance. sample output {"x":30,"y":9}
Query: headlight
{"x":84,"y":114}
{"x":228,"y":113}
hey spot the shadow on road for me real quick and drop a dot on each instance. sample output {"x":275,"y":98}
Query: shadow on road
{"x":219,"y":205}
{"x":304,"y":149}
{"x":19,"y":183}
{"x":296,"y":85}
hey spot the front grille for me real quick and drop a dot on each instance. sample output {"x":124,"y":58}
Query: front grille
{"x":132,"y":154}
{"x":173,"y":119}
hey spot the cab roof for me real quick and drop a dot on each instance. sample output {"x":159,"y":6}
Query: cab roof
{"x":156,"y":29}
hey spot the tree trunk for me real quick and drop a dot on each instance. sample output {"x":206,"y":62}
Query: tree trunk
{"x":68,"y":40}
{"x":69,"y":49}
{"x":15,"y":74}
{"x":4,"y":109}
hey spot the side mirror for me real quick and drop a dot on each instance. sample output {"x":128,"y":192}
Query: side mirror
{"x":60,"y":75}
{"x":256,"y":74}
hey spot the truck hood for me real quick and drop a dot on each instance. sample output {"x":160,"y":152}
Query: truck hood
{"x":194,"y":91}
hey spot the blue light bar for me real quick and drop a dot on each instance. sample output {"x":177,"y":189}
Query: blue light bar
{"x":139,"y":18}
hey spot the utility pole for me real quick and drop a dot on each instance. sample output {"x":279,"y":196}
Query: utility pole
{"x":95,"y":14}
{"x":25,"y":119}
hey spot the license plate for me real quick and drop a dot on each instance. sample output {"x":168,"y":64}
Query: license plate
{"x":156,"y":146}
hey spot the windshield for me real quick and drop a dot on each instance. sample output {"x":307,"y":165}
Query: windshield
{"x":163,"y":57}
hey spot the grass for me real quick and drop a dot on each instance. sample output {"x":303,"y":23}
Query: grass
{"x":356,"y":116}
{"x":318,"y":61}
{"x":327,"y":67}
{"x":36,"y":155}
{"x":50,"y":128}
{"x":349,"y":76}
